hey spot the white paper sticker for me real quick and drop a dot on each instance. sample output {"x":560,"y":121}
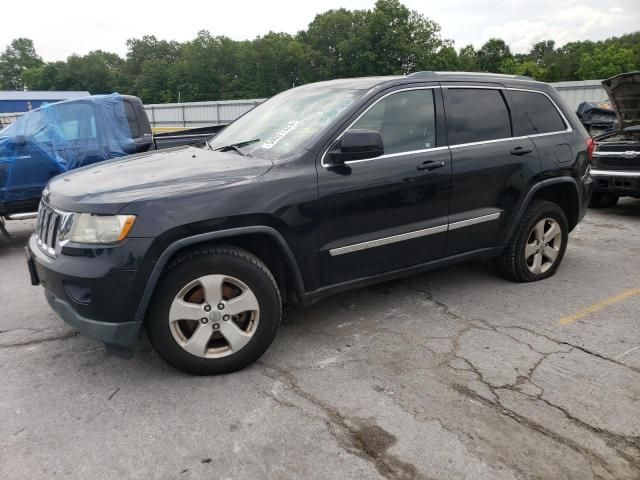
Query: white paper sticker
{"x":276,"y":137}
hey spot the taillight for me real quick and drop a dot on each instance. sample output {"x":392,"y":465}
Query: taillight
{"x":591,"y":145}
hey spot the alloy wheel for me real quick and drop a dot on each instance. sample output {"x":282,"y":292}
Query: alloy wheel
{"x":214,"y":316}
{"x":543,"y":246}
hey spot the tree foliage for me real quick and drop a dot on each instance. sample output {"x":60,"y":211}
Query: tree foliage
{"x":18,"y":57}
{"x":389,"y":39}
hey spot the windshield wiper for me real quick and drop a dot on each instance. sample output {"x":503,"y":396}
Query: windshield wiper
{"x":237,"y":146}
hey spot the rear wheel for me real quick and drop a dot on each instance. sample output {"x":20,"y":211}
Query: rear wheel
{"x":538,"y":244}
{"x":215,"y":311}
{"x":603,"y":200}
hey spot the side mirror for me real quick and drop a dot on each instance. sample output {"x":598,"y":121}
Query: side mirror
{"x":19,"y":140}
{"x":356,"y":145}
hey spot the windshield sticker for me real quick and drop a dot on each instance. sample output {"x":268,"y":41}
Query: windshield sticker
{"x":276,"y":137}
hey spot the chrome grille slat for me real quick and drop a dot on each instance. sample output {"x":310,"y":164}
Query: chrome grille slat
{"x":48,"y":228}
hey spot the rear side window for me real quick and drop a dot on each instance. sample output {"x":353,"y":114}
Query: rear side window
{"x":132,"y":120}
{"x":405,"y":120}
{"x":535,"y":113}
{"x":476,"y":115}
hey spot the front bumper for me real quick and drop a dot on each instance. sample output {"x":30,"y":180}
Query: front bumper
{"x":624,"y":183}
{"x":94,"y":292}
{"x":119,"y":339}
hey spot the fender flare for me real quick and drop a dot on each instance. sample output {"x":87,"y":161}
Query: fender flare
{"x":532,"y":191}
{"x":153,"y":279}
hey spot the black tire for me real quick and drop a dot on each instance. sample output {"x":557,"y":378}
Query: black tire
{"x":603,"y":200}
{"x":512,"y":264}
{"x":219,"y":260}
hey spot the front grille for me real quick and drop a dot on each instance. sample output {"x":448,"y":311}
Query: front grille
{"x":48,"y":228}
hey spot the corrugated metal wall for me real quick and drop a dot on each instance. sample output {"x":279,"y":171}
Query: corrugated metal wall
{"x":198,"y":114}
{"x":574,"y":93}
{"x":202,"y":114}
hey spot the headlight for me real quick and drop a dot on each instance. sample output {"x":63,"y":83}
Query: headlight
{"x":90,"y":228}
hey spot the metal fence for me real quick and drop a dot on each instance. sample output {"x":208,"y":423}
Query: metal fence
{"x":7,"y":119}
{"x":574,"y":93}
{"x":202,"y":114}
{"x":171,"y":116}
{"x":198,"y":114}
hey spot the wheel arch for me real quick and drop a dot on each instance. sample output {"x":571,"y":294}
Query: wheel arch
{"x":562,"y":191}
{"x":263,"y":241}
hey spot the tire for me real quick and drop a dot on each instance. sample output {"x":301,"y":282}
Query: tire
{"x":603,"y":200}
{"x":519,"y":261}
{"x":187,"y":322}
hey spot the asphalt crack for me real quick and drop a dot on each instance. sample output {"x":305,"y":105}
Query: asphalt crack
{"x":357,"y":436}
{"x":621,"y":444}
{"x":37,"y":341}
{"x":532,"y":425}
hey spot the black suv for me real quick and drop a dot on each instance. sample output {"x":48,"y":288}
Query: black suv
{"x":322,"y":188}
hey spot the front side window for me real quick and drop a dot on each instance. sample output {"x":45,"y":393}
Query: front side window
{"x":536,"y":113}
{"x":476,"y":115}
{"x":405,"y":120}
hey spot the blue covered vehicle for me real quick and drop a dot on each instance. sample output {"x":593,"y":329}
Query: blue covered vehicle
{"x":66,"y":135}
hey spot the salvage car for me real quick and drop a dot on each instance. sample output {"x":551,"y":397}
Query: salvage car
{"x":616,"y":169}
{"x":67,"y":135}
{"x":323,"y":188}
{"x":597,"y":118}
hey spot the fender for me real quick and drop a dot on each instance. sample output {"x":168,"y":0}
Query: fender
{"x":205,"y":237}
{"x":532,"y":191}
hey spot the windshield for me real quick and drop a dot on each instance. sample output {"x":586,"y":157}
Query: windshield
{"x":285,"y":124}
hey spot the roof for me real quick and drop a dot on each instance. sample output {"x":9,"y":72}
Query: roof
{"x":40,"y":95}
{"x":465,"y":75}
{"x":370,"y":82}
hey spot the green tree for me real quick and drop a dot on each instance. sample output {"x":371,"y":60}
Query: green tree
{"x":605,"y":61}
{"x":337,"y":43}
{"x":446,"y":60}
{"x":387,"y":39}
{"x":493,"y":55}
{"x":468,"y":59}
{"x":19,"y":56}
{"x":400,"y":40}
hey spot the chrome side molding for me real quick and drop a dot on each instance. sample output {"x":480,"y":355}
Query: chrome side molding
{"x":410,"y":235}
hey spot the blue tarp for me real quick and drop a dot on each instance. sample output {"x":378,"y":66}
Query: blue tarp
{"x":59,"y":137}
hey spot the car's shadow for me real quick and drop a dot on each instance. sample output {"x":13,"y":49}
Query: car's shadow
{"x":627,"y":207}
{"x":16,"y":235}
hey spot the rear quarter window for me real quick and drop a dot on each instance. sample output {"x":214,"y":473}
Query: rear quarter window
{"x":535,"y":113}
{"x":132,"y":120}
{"x":476,"y":115}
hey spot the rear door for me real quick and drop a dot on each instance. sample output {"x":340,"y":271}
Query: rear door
{"x":388,"y":212}
{"x":491,"y":165}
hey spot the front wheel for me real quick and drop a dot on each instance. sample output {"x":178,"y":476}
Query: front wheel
{"x":538,"y":244}
{"x":216,"y":310}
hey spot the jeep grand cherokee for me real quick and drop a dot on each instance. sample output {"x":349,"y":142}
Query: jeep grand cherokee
{"x":322,"y":188}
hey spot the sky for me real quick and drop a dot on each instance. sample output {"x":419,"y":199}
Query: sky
{"x":63,"y":27}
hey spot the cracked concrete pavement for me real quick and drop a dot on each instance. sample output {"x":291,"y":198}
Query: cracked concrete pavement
{"x":454,"y":373}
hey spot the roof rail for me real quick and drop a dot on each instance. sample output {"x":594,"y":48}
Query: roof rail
{"x":475,"y":74}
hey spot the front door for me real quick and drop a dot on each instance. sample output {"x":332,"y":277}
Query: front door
{"x":389,"y":212}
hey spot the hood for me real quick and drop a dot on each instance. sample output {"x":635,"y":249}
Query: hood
{"x":624,"y":93}
{"x":106,"y":187}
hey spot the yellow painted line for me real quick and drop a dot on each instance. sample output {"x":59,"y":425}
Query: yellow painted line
{"x":168,"y":129}
{"x":596,"y":307}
